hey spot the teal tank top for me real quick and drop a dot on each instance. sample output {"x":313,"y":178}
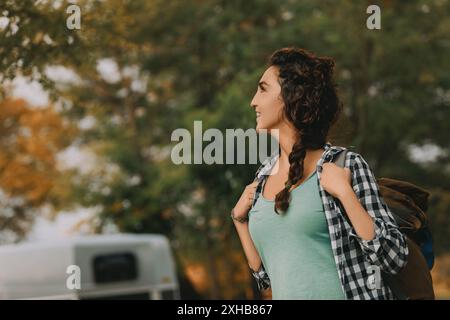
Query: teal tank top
{"x":295,"y":248}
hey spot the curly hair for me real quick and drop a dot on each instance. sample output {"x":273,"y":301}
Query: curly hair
{"x":311,"y":104}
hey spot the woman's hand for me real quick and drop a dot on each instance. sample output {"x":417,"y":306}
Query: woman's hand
{"x":335,"y":180}
{"x":244,"y":203}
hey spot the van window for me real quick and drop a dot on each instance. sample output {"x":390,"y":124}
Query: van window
{"x":115,"y":267}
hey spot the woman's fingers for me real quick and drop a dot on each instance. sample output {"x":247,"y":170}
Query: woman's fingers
{"x":248,"y":195}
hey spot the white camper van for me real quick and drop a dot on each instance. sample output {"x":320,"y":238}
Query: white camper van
{"x":119,"y":266}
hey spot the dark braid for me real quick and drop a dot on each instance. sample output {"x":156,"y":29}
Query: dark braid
{"x":311,"y":103}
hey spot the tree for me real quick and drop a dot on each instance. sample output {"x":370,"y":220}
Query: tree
{"x":29,"y":141}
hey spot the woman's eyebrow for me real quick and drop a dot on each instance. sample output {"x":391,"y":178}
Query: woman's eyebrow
{"x":261,"y":83}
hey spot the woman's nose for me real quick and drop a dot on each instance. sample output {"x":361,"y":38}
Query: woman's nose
{"x":252,"y":103}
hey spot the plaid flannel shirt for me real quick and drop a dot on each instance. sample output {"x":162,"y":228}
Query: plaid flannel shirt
{"x":357,"y":260}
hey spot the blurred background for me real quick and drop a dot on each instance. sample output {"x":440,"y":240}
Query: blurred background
{"x":86,"y":116}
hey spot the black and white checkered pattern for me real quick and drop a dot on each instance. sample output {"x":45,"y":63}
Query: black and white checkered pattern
{"x":356,"y":259}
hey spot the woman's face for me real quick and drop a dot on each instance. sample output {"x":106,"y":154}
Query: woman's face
{"x":267,"y":101}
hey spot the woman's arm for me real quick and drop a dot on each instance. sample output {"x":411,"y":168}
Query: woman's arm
{"x":383,"y":242}
{"x":360,"y":219}
{"x":376,"y":230}
{"x":253,"y":259}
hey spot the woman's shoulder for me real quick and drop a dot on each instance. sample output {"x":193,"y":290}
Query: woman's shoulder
{"x":351,"y":150}
{"x":352,"y":157}
{"x":357,"y":162}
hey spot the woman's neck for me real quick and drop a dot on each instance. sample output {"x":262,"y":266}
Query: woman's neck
{"x":287,"y":138}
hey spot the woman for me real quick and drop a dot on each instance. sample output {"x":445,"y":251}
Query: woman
{"x":311,"y":229}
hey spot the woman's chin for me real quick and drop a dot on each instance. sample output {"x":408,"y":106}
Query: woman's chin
{"x":259,"y":128}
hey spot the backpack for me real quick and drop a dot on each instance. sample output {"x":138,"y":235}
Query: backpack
{"x":408,"y":204}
